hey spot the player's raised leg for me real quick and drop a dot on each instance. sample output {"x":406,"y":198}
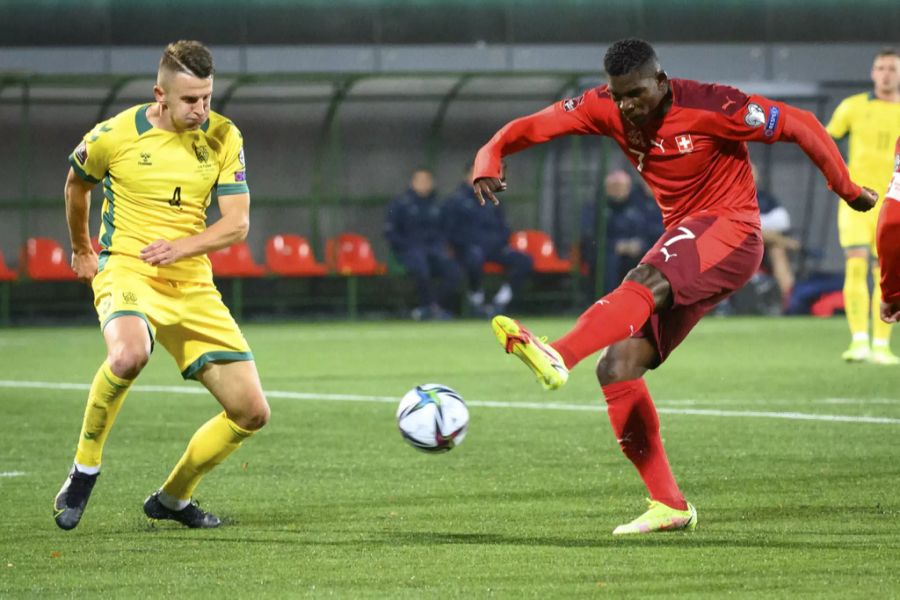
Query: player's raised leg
{"x":614,"y":317}
{"x":128,"y":345}
{"x":237,"y":387}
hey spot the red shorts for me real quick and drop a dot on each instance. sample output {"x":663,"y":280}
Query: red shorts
{"x":705,"y":260}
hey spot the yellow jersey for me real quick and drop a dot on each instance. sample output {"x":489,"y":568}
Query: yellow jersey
{"x":157,"y":184}
{"x":873,"y":125}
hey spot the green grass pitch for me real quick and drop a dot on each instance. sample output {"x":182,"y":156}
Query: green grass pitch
{"x":329,"y":501}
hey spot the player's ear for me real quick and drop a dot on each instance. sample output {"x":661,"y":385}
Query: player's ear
{"x":662,"y":79}
{"x":159,"y":93}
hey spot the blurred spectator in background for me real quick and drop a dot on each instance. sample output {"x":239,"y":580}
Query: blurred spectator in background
{"x":479,"y":234}
{"x":414,"y":230}
{"x":775,"y":222}
{"x":633,"y":224}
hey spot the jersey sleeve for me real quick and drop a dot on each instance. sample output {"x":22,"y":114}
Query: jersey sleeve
{"x":802,"y":128}
{"x":90,"y":159}
{"x":232,"y":165}
{"x":839,"y":125}
{"x":755,"y":119}
{"x":583,"y":115}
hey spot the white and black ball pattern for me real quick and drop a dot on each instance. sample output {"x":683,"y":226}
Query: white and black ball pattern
{"x":433,"y":418}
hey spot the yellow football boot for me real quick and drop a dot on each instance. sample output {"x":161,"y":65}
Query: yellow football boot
{"x":541,"y":358}
{"x":660,"y":517}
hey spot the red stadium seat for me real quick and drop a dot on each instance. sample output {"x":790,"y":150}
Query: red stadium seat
{"x":45,"y":260}
{"x":351,"y":254}
{"x":540,"y":248}
{"x":6,"y":274}
{"x":292,"y":256}
{"x":493,"y":268}
{"x":235,"y":261}
{"x":828,"y":304}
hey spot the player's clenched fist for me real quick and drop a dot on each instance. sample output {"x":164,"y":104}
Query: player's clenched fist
{"x":865,"y":201}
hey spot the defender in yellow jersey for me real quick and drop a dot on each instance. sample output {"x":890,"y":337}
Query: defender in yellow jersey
{"x":872,"y":122}
{"x":159,"y":164}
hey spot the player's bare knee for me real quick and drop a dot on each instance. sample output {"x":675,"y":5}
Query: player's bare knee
{"x":260,"y":416}
{"x":613,"y":369}
{"x":651,"y":278}
{"x":254,"y":416}
{"x":127,"y":361}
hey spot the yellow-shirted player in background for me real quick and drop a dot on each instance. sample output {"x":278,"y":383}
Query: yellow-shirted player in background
{"x":872,"y":120}
{"x":159,"y":164}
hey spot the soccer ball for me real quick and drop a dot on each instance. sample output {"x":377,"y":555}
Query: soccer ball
{"x":433,"y":418}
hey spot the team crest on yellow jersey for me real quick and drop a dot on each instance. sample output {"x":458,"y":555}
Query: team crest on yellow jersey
{"x":129,"y":298}
{"x":202,"y":152}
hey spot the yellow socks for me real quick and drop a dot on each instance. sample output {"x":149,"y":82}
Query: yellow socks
{"x":213,"y":442}
{"x":856,"y":297}
{"x":881,"y":331}
{"x":104,"y":401}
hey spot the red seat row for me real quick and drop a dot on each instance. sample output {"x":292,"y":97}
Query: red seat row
{"x":292,"y":256}
{"x":43,"y":259}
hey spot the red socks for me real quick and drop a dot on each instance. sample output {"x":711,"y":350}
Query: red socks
{"x":616,"y":316}
{"x":636,"y":425}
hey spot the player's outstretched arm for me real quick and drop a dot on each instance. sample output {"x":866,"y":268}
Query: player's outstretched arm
{"x":562,"y":118}
{"x":231,"y":228}
{"x":802,"y":128}
{"x":78,"y":205}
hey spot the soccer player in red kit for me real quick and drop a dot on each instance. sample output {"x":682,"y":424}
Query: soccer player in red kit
{"x":887,"y":241}
{"x":687,"y":140}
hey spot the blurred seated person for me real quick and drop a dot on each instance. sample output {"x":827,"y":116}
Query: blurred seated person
{"x":633,"y":224}
{"x":776,"y":223}
{"x":414,"y":230}
{"x":479,"y":234}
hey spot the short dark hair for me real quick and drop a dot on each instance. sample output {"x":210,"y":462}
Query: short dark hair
{"x":189,"y":57}
{"x":887,"y":51}
{"x":627,"y":56}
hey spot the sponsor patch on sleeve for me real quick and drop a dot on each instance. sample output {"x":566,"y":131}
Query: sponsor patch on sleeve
{"x":240,"y":175}
{"x":772,"y":123}
{"x":81,"y":153}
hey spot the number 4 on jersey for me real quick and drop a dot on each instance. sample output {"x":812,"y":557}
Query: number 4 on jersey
{"x":176,"y":197}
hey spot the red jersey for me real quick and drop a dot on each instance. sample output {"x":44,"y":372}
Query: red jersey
{"x":888,"y":236}
{"x":694,"y":158}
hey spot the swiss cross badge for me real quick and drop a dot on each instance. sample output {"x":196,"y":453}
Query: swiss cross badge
{"x":684,"y":143}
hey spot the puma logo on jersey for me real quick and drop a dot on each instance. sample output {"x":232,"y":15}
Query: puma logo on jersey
{"x":659,"y":144}
{"x":728,"y":103}
{"x":665,"y":252}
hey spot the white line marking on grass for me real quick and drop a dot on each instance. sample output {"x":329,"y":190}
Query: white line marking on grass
{"x":199,"y":390}
{"x":858,"y":401}
{"x":12,"y":473}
